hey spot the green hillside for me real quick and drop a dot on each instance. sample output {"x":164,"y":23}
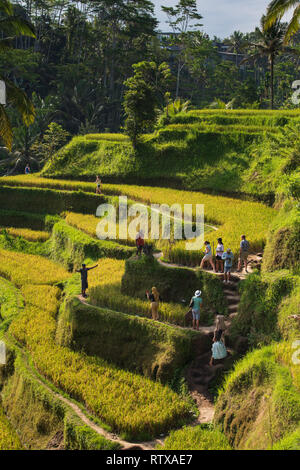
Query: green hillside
{"x":199,"y":150}
{"x":123,"y":370}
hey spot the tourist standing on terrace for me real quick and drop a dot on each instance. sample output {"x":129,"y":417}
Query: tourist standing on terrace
{"x":196,"y":304}
{"x":220,"y":325}
{"x":140,"y":243}
{"x":218,"y":349}
{"x":207,"y":256}
{"x":84,"y":278}
{"x":219,"y":254}
{"x":154,"y":298}
{"x":228,"y":258}
{"x":244,"y":253}
{"x":98,"y":185}
{"x":27,"y":170}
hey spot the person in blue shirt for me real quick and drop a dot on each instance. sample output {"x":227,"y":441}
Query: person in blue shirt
{"x":244,"y":253}
{"x":218,"y":349}
{"x":228,"y":261}
{"x":196,"y":304}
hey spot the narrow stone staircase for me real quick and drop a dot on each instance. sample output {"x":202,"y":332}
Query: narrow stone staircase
{"x":200,"y":374}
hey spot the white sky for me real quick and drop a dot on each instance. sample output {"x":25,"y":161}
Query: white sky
{"x":221,"y":17}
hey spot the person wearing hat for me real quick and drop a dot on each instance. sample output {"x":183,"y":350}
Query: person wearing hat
{"x":196,"y":304}
{"x":228,"y":260}
{"x":84,"y":276}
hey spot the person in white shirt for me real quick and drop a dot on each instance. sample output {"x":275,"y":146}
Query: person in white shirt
{"x":218,"y":349}
{"x":207,"y":256}
{"x":219,"y":254}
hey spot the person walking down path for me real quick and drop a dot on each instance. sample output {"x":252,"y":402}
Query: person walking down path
{"x":207,"y":256}
{"x":196,"y":305}
{"x":27,"y":170}
{"x":219,"y":254}
{"x":220,"y":325}
{"x":140,"y":243}
{"x":154,"y":298}
{"x":228,"y":260}
{"x":98,"y":185}
{"x":218,"y":349}
{"x":84,"y":278}
{"x":244,"y":253}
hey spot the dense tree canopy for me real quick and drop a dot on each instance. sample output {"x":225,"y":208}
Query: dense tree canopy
{"x":78,"y":66}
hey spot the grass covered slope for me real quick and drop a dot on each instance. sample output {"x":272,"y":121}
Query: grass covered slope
{"x":260,"y":404}
{"x":195,"y":438}
{"x":204,"y":149}
{"x":132,"y":343}
{"x":283,"y":247}
{"x":11,"y":301}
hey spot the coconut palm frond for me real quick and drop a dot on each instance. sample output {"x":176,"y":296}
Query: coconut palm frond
{"x":19,"y":100}
{"x":6,"y":7}
{"x":18,"y":26}
{"x":6,"y":133}
{"x":277,"y":9}
{"x":293,"y":25}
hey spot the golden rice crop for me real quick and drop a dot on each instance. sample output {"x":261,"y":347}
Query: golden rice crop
{"x":28,"y":234}
{"x":105,"y":291}
{"x":110,"y":137}
{"x":8,"y":438}
{"x":128,"y":402}
{"x":88,"y":224}
{"x":23,"y":269}
{"x":233,"y":217}
{"x":38,"y":182}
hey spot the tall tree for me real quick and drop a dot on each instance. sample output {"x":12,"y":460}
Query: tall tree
{"x":269,"y":44}
{"x":11,"y":26}
{"x":181,"y":18}
{"x":277,"y":10}
{"x":125,"y":27}
{"x":145,"y":92}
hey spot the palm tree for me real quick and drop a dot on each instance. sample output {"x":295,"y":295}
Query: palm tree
{"x":270,"y":42}
{"x":10,"y":27}
{"x":237,"y":43}
{"x":277,"y":10}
